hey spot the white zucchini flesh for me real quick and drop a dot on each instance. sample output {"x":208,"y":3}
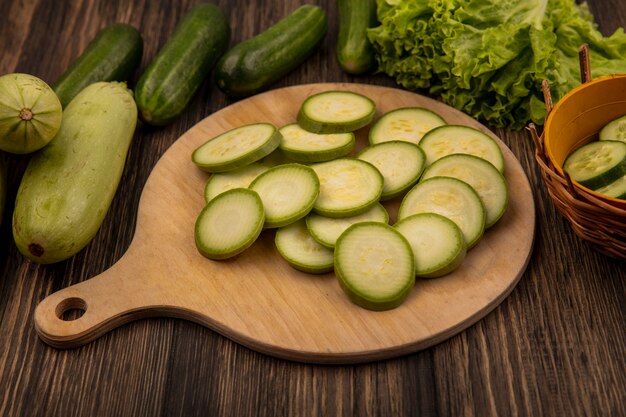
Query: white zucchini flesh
{"x":229,"y":224}
{"x":347,"y":187}
{"x":288,"y":193}
{"x":614,"y":130}
{"x":597,"y":164}
{"x":375,"y":265}
{"x":296,"y":245}
{"x":483,"y":177}
{"x":303,"y":146}
{"x":452,"y":198}
{"x":237,"y":147}
{"x":238,"y":178}
{"x":436,"y":241}
{"x":400,"y":163}
{"x":408,"y":124}
{"x":326,"y":230}
{"x":336,"y":112}
{"x":450,"y":139}
{"x":616,"y":189}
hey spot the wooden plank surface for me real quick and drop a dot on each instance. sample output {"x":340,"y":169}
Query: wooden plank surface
{"x":554,"y":347}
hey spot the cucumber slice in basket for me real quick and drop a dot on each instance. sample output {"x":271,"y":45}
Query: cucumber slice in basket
{"x":408,"y":124}
{"x":347,"y":187}
{"x":483,"y":177}
{"x":614,"y":130}
{"x":375,"y":265}
{"x":616,"y":189}
{"x":288,"y":193}
{"x":336,"y":112}
{"x":303,"y":146}
{"x":237,"y":147}
{"x":326,"y":230}
{"x":449,"y":139}
{"x":437,"y":243}
{"x":452,"y":198}
{"x":400,"y":163}
{"x":296,"y":245}
{"x":237,"y":178}
{"x":597,"y":164}
{"x":229,"y":224}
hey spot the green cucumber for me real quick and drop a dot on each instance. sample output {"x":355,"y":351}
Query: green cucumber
{"x":237,"y":147}
{"x":255,"y":64}
{"x":237,"y":178}
{"x":355,"y":54}
{"x":68,"y":185}
{"x":614,"y":130}
{"x":400,"y":163}
{"x":288,"y":193}
{"x":229,"y":224}
{"x":336,"y":112}
{"x":303,"y":146}
{"x":296,"y":245}
{"x":375,"y":265}
{"x":616,"y":189}
{"x":113,"y":55}
{"x":597,"y":164}
{"x":436,"y":241}
{"x":174,"y":75}
{"x":408,"y":124}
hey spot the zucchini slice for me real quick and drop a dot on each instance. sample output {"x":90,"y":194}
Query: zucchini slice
{"x":597,"y":164}
{"x":288,"y":193}
{"x":437,"y":243}
{"x":616,"y":189}
{"x":483,"y":177}
{"x":408,"y":124}
{"x":237,"y":147}
{"x":347,"y":187}
{"x":452,"y":198}
{"x":237,"y":178}
{"x":449,"y":139}
{"x":400,"y":163}
{"x":326,"y":230}
{"x":303,"y":146}
{"x":614,"y":130}
{"x":375,"y":265}
{"x":229,"y":224}
{"x":336,"y":112}
{"x":296,"y":245}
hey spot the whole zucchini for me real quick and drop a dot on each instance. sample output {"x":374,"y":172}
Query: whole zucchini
{"x":68,"y":186}
{"x":354,"y":51}
{"x":172,"y":78}
{"x":253,"y":65}
{"x":113,"y":55}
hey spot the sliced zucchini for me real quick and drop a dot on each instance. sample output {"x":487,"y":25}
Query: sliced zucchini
{"x":408,"y":124}
{"x":597,"y":164}
{"x":237,"y":147}
{"x":375,"y":265}
{"x":483,"y":177}
{"x":347,"y":187}
{"x":237,"y":178}
{"x":288,"y":193}
{"x":449,"y":139}
{"x":296,"y":245}
{"x":303,"y":146}
{"x":326,"y":230}
{"x":614,"y":130}
{"x":452,"y":198}
{"x":336,"y":112}
{"x":229,"y":224}
{"x":400,"y":163}
{"x":616,"y":189}
{"x":437,"y":243}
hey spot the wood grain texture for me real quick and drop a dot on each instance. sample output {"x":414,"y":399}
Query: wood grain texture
{"x":554,"y":347}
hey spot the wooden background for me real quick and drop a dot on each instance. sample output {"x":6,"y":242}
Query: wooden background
{"x":555,"y":347}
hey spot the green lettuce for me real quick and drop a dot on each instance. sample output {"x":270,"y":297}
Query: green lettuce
{"x":489,"y":57}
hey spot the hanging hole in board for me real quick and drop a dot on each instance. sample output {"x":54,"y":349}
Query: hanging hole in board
{"x":71,"y":309}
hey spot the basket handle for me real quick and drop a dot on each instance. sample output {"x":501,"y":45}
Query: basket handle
{"x":585,"y":66}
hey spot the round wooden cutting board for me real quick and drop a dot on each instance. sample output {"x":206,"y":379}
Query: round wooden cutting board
{"x":257,"y":299}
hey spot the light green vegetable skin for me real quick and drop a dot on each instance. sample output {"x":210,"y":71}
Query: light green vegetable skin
{"x":68,"y":186}
{"x":488,"y":57}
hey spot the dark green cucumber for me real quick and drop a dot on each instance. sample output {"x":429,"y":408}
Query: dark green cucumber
{"x":172,"y":78}
{"x":113,"y":55}
{"x":354,"y":51}
{"x":253,"y":65}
